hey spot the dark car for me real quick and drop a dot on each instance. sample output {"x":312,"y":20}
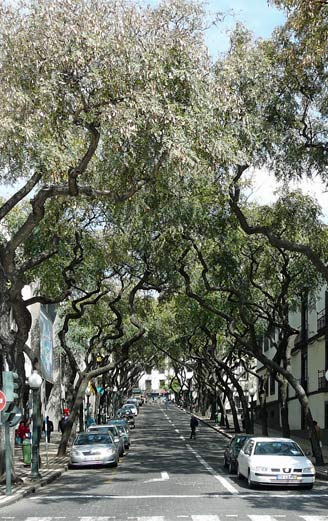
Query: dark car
{"x":232,"y":451}
{"x":126,"y":415}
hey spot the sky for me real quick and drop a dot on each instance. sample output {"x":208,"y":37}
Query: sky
{"x":256,"y":15}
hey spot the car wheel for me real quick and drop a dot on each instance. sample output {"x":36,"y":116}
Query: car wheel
{"x":249,"y":481}
{"x":225,"y":463}
{"x":240,"y":476}
{"x":115,"y":463}
{"x":232,"y":468}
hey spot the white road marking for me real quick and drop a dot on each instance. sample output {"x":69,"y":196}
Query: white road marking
{"x":177,"y":430}
{"x":164,"y":477}
{"x":96,"y":518}
{"x":263,"y":518}
{"x":151,"y":518}
{"x":38,"y":518}
{"x":226,"y":484}
{"x":174,"y":496}
{"x":315,"y":518}
{"x":182,"y":438}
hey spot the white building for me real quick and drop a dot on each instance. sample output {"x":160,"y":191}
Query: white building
{"x":309,"y":363}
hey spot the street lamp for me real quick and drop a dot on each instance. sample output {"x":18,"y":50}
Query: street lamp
{"x":88,"y":393}
{"x":35,"y":382}
{"x":252,"y":392}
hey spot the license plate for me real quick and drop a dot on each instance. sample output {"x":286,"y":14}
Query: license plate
{"x":93,"y":458}
{"x":287,"y":477}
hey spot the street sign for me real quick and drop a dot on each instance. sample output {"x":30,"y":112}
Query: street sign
{"x":3,"y":400}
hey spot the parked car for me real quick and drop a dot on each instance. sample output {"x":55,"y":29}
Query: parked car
{"x":93,"y":448}
{"x":127,"y":415}
{"x":133,"y":401}
{"x":131,"y":407}
{"x":231,"y":452}
{"x":116,"y":435}
{"x":123,"y":427}
{"x":275,"y":461}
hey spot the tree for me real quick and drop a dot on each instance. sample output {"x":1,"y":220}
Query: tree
{"x":96,"y":103}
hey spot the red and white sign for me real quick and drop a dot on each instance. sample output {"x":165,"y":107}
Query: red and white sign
{"x":3,"y":400}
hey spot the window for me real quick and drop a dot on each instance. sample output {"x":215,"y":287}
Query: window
{"x":249,"y":448}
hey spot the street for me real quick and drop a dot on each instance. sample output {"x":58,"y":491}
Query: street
{"x":166,"y":476}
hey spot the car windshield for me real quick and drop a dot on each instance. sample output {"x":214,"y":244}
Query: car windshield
{"x":240,"y":440}
{"x":277,"y":448}
{"x":113,"y":429}
{"x":92,"y":439}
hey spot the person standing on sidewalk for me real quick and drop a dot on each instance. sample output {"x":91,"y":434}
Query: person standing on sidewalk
{"x":319,"y":435}
{"x":50,"y":428}
{"x":193,"y":425}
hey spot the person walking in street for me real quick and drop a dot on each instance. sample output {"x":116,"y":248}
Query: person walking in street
{"x":193,"y":425}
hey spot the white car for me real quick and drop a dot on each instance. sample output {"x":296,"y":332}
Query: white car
{"x":130,"y":407}
{"x":275,"y":461}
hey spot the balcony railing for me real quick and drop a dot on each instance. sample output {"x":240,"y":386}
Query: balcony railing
{"x":321,"y":319}
{"x":322,"y":382}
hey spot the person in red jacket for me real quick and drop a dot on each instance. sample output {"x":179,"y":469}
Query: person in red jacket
{"x":23,"y":430}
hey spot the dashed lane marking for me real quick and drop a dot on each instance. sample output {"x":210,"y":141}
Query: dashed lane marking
{"x":226,"y":484}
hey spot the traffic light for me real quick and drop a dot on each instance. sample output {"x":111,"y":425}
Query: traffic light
{"x":10,"y":383}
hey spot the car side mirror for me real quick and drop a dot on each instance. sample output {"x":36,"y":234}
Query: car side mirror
{"x":308,"y":453}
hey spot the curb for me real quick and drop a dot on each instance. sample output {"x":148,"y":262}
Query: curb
{"x":31,"y":488}
{"x":319,"y":475}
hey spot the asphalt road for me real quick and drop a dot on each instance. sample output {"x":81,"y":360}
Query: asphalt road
{"x":167,"y":477}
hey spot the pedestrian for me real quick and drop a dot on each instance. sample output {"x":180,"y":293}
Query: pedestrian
{"x":23,"y":431}
{"x":62,"y":424}
{"x":50,"y":428}
{"x":193,"y":425}
{"x":319,"y":436}
{"x":318,"y":431}
{"x":166,"y":403}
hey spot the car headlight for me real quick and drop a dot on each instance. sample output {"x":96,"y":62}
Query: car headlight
{"x":309,"y":470}
{"x":76,"y":452}
{"x":261,"y":469}
{"x":110,"y":451}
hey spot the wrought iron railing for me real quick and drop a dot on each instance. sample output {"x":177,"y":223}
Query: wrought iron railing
{"x":321,"y":319}
{"x":322,"y":382}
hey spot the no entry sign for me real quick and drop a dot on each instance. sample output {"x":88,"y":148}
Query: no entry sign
{"x":3,"y":400}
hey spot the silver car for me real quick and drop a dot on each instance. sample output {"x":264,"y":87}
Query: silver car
{"x":113,"y":432}
{"x":93,"y":448}
{"x":123,"y":428}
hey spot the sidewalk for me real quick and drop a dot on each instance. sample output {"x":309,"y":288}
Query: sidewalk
{"x":321,"y":471}
{"x":51,"y":468}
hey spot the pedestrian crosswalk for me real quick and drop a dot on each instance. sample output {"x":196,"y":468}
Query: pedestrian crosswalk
{"x":196,"y":517}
